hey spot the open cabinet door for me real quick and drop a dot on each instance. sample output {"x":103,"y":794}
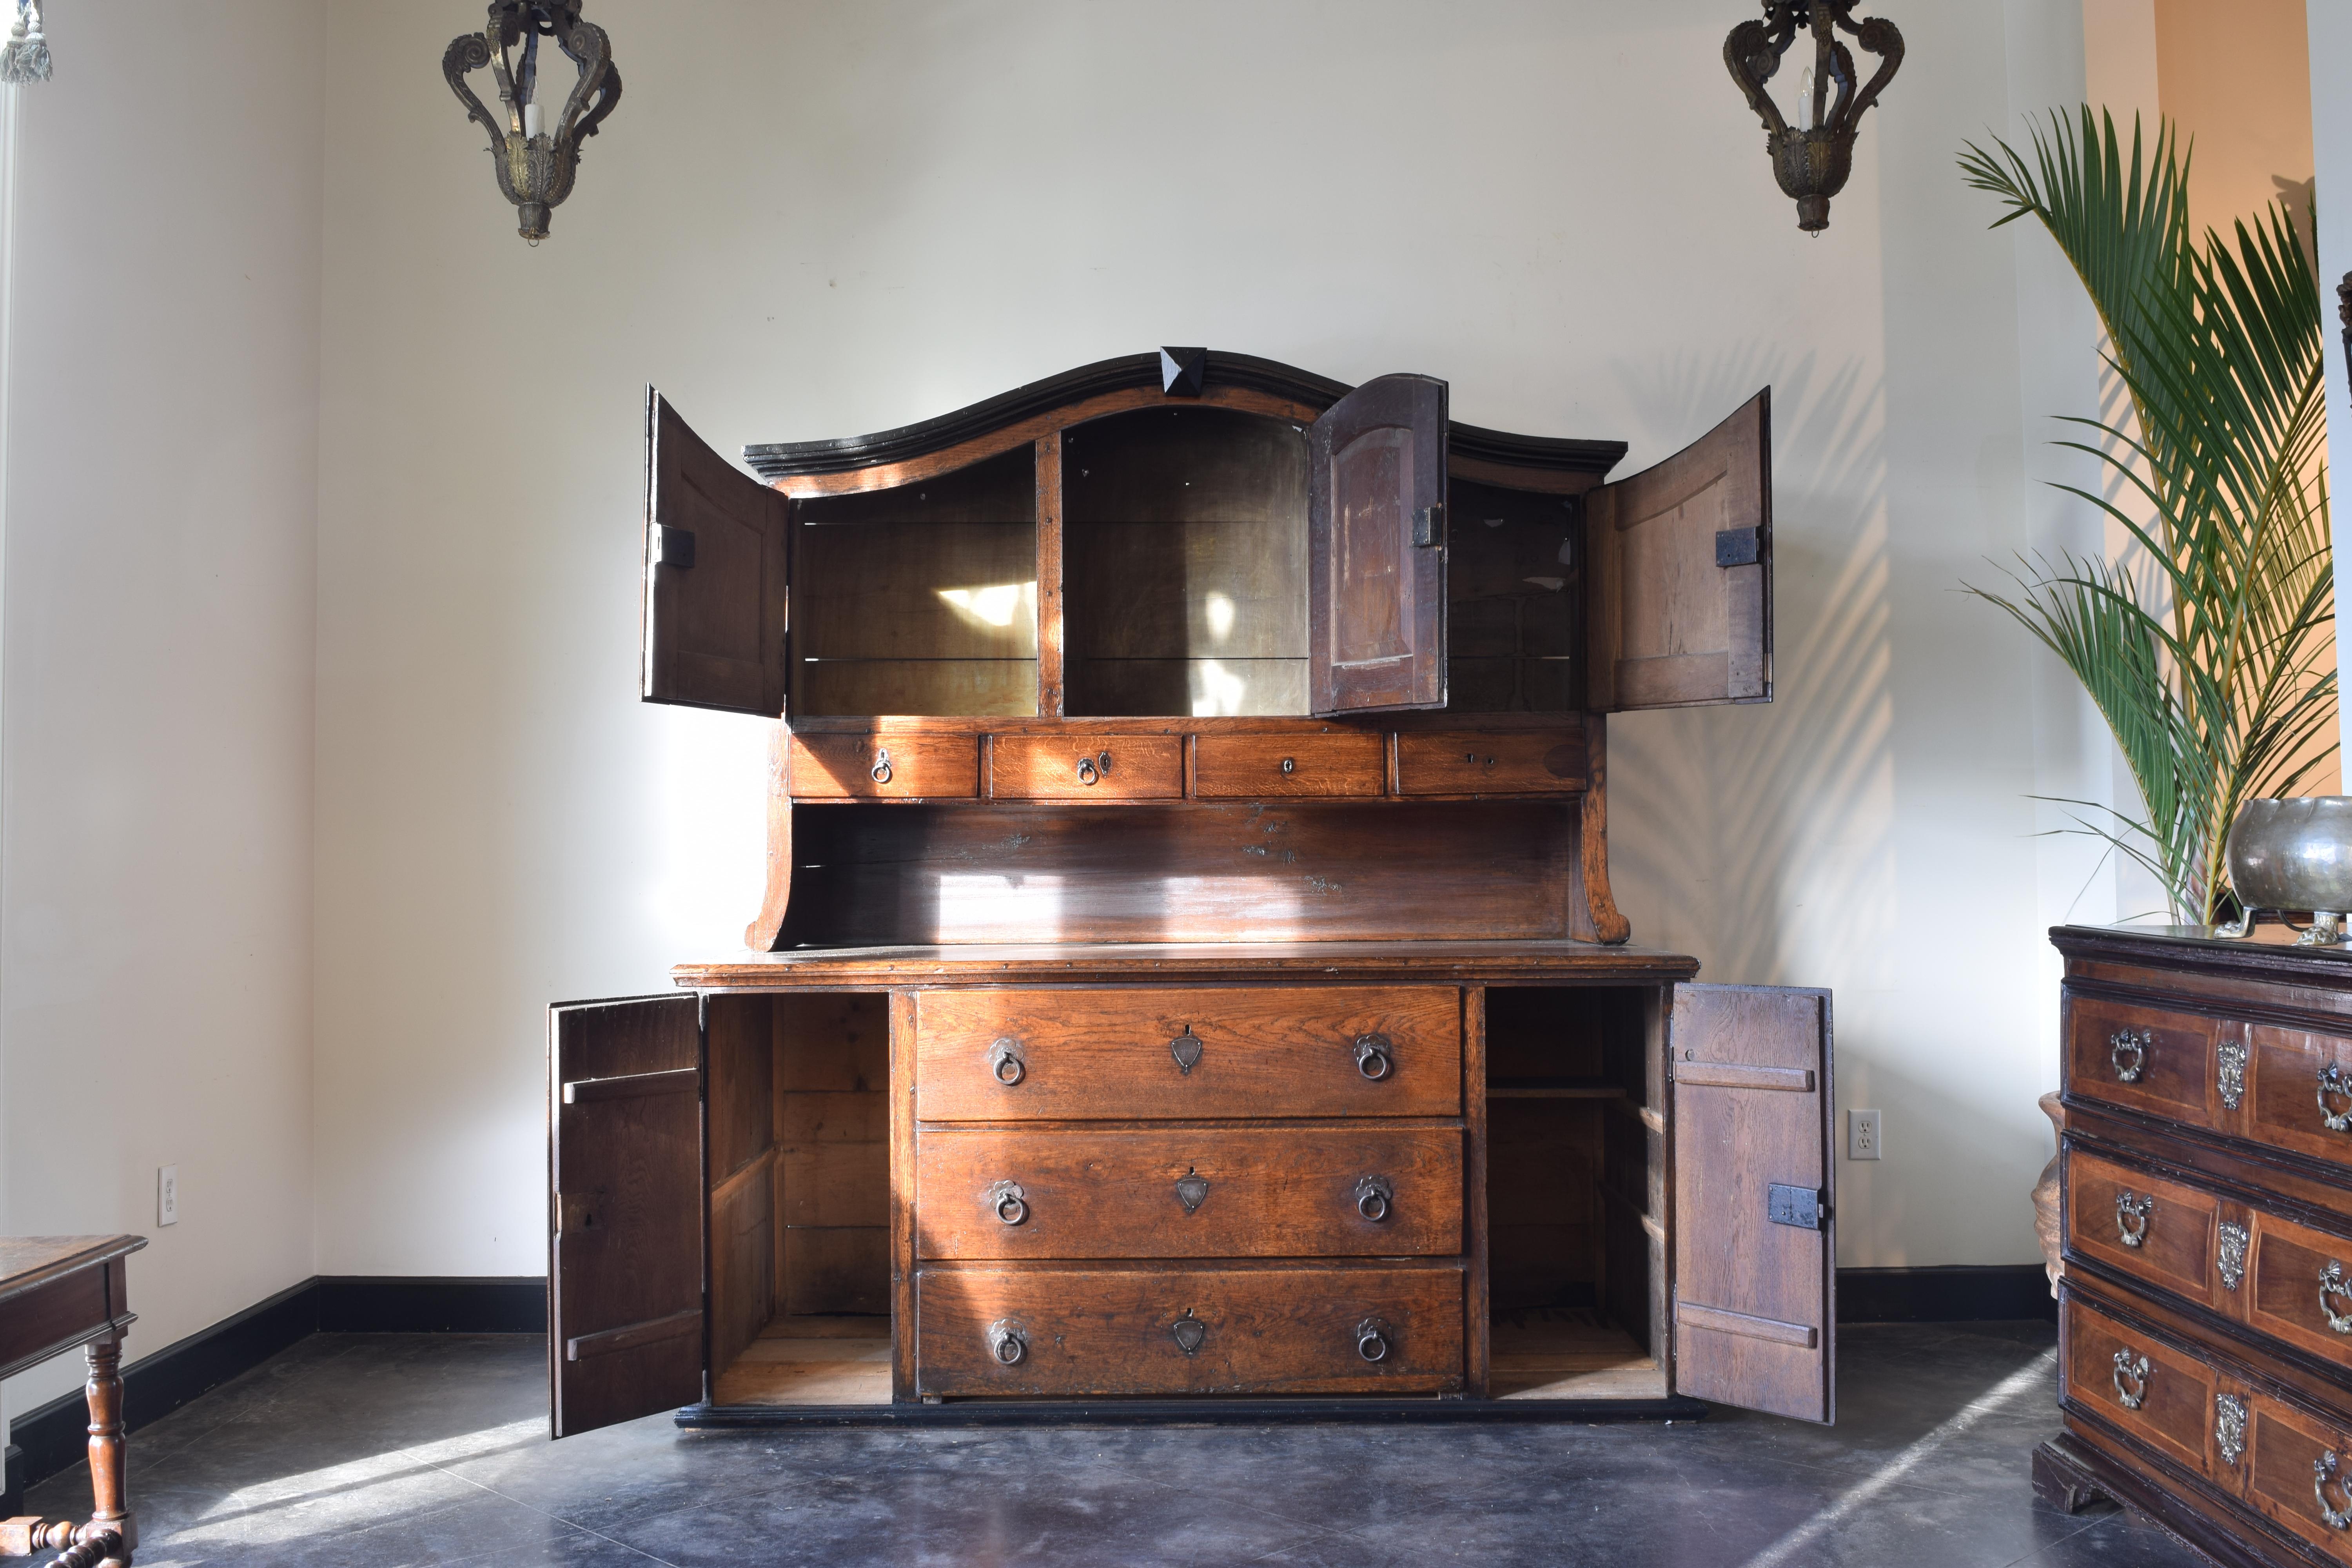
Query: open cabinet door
{"x":714,"y":569}
{"x":1755,"y":1243}
{"x":1681,"y":574}
{"x":624,"y":1248}
{"x":1376,"y":551}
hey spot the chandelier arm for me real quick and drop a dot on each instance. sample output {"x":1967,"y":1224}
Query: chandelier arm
{"x":587,"y":44}
{"x":470,"y":52}
{"x":1748,"y":46}
{"x":1883,"y":38}
{"x":1840,"y":113}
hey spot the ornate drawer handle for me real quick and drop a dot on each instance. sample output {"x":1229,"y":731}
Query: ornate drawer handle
{"x":2230,"y":1427}
{"x":2333,"y":1081}
{"x":1012,"y":1204}
{"x":1004,"y":1061}
{"x":1186,"y":1049}
{"x":2125,"y":1042}
{"x":1374,"y":1197}
{"x":2230,"y":1062}
{"x":1373,"y":1338}
{"x":2323,"y":1470}
{"x":1375,"y":1057}
{"x":1191,"y":1190}
{"x":1008,"y":1342}
{"x":2230,"y":1255}
{"x":1189,"y":1331}
{"x":1087,"y":773}
{"x":880,"y":771}
{"x":2132,"y":1213}
{"x":2127,"y":1367}
{"x":2333,"y":1283}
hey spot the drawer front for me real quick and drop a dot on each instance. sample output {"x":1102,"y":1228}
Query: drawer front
{"x":1336,"y":1050}
{"x":2161,"y":1396}
{"x":2299,"y":1081}
{"x":1065,"y":1331}
{"x":2297,"y":1467}
{"x":1297,"y":767}
{"x":1081,"y":767}
{"x":2147,"y":1059}
{"x":2301,"y":1290}
{"x":1501,"y":761}
{"x":884,"y":767}
{"x":1332,"y":1191}
{"x":2154,"y":1230}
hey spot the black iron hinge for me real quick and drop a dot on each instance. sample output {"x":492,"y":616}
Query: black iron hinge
{"x":1800,"y":1207}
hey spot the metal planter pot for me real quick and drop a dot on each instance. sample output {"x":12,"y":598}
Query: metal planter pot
{"x":2294,"y":855}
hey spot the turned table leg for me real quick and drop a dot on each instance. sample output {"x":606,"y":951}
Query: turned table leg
{"x":104,"y":1395}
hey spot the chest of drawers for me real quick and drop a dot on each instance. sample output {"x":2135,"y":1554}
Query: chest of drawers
{"x":2206,"y":1317}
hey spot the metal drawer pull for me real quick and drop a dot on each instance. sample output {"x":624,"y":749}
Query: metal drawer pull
{"x":2136,"y":1369}
{"x":1375,"y":1057}
{"x":2125,"y":1042}
{"x":1372,"y":1340}
{"x":1374,"y":1197}
{"x":880,"y":771}
{"x":1004,"y":1061}
{"x":1191,"y":1190}
{"x":2323,"y":1470}
{"x":2229,"y":1059}
{"x":1012,"y":1204}
{"x":1087,"y":773}
{"x":2230,"y":1427}
{"x":2132,"y":1213}
{"x":2230,"y":1255}
{"x":2333,"y":1081}
{"x":1186,"y":1049}
{"x":1189,"y":1331}
{"x":1008,"y":1342}
{"x":2333,"y":1283}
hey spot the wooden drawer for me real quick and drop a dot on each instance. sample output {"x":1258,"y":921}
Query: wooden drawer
{"x":1044,"y":1055}
{"x":1289,"y":767}
{"x":2148,"y":1058}
{"x":1499,"y":762}
{"x":2296,"y":1464}
{"x":2174,"y":1230}
{"x":1082,"y":767}
{"x":2288,"y":1264}
{"x":884,"y":767}
{"x":2286,"y":1070}
{"x":1187,"y":1330}
{"x":1333,"y":1192}
{"x":2107,"y":1363}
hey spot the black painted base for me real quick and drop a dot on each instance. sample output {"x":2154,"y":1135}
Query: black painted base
{"x":12,"y":1481}
{"x":2071,"y":1475}
{"x":1068,"y":1412}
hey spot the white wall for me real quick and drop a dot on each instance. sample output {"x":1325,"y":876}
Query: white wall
{"x":156,"y":761}
{"x":813,"y":219}
{"x":2330,"y":23}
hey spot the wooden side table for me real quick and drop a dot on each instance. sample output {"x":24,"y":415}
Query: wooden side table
{"x":57,"y":1292}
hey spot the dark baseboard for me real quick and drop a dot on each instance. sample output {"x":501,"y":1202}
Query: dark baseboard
{"x":12,"y":1481}
{"x":428,"y":1304}
{"x":1996,"y":1293}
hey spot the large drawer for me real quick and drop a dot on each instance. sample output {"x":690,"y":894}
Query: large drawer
{"x":1081,"y":767}
{"x":2147,"y":1059}
{"x":883,"y":767}
{"x":2301,"y":1286}
{"x":2300,"y":1080}
{"x":1326,"y":1192}
{"x":1107,"y":1331}
{"x":2164,"y":1233}
{"x":2298,"y":1471}
{"x":1047,"y":1055}
{"x":2156,"y":1392}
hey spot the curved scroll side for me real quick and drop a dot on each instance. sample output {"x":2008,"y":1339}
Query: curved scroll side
{"x":465,"y":54}
{"x":1883,"y":38}
{"x":1592,"y":914}
{"x":1753,"y":57}
{"x":588,"y":46}
{"x":765,"y":932}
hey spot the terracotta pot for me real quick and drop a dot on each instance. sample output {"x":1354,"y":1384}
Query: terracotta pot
{"x":2045,"y":1196}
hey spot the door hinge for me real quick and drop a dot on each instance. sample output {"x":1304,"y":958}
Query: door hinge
{"x":1738,"y":547}
{"x":673,"y":546}
{"x":1799,"y":1207}
{"x":1427,"y":524}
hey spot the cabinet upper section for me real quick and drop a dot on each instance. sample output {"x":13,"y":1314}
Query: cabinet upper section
{"x":1195,"y":534}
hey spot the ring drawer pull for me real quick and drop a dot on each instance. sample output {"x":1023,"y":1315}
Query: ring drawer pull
{"x":880,"y":771}
{"x":2323,"y":1470}
{"x":2333,"y":1081}
{"x":1374,"y":1198}
{"x":2230,"y":1427}
{"x":1008,"y":1342}
{"x":1189,"y":1331}
{"x":1011,"y":1203}
{"x":2230,"y":1255}
{"x":2127,"y":1042}
{"x":2333,"y":1283}
{"x":1375,"y":1057}
{"x":2134,"y":1369}
{"x":1186,"y":1049}
{"x":1373,"y":1338}
{"x":1087,"y":773}
{"x":2132,"y":1214}
{"x":1004,"y":1061}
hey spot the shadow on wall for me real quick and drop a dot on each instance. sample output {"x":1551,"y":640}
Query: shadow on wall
{"x":1762,"y":838}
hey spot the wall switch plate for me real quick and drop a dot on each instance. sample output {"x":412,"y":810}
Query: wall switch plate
{"x":167,"y":1196}
{"x":1861,"y":1140}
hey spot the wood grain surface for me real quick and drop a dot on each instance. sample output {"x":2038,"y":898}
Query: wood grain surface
{"x":843,"y":767}
{"x":2175,"y":1060}
{"x":1251,"y":767}
{"x":1070,"y":767}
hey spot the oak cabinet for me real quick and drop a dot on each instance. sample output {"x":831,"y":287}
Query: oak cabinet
{"x":1187,"y":981}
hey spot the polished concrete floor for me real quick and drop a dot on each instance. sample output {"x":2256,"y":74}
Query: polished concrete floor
{"x":368,"y":1451}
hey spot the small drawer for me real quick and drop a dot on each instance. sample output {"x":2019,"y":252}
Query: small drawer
{"x":2161,"y":1396}
{"x":2301,"y":1290}
{"x":2161,"y":1231}
{"x":2148,"y":1058}
{"x":1092,"y":1330}
{"x":1498,"y":762}
{"x":1334,"y":1192}
{"x":2300,"y":1082}
{"x":1289,"y":767}
{"x":2298,"y":1473}
{"x":1080,"y":767}
{"x":884,"y":767}
{"x":1324,"y":1050}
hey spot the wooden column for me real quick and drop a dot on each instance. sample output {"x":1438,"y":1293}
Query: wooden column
{"x":1049,"y":576}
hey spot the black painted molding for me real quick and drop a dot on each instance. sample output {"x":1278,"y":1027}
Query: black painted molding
{"x":12,"y":1481}
{"x":2000,"y":1292}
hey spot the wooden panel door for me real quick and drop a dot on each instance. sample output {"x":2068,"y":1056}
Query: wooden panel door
{"x":1681,"y":574}
{"x":1754,"y":1241}
{"x":1376,"y":550}
{"x":625,"y":1249}
{"x":715,"y":571}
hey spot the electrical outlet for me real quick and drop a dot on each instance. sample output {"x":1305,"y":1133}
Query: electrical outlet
{"x":167,"y":1196}
{"x":1862,"y":1139}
